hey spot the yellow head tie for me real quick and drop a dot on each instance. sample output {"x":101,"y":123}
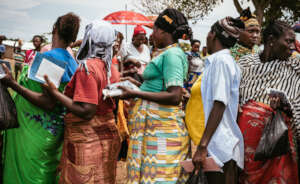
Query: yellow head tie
{"x":251,"y":22}
{"x":168,"y":19}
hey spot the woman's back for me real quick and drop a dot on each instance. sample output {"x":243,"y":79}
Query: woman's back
{"x":32,"y":151}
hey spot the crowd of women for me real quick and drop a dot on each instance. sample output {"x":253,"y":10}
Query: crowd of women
{"x":70,"y":134}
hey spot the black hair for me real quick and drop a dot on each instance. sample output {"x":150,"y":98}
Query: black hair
{"x":2,"y":37}
{"x":38,"y":36}
{"x":276,"y":28}
{"x":67,"y":27}
{"x":120,"y":36}
{"x":175,"y":23}
{"x":195,"y":41}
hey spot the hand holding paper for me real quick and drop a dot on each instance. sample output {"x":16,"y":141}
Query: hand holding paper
{"x":208,"y":165}
{"x":49,"y":86}
{"x":44,"y":65}
{"x":6,"y":75}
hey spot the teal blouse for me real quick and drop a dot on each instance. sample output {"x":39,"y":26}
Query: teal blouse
{"x":168,"y":69}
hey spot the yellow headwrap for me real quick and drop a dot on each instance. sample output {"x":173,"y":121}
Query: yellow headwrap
{"x":251,"y":22}
{"x":248,"y":18}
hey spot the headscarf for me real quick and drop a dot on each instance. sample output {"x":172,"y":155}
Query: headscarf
{"x":139,"y":30}
{"x":248,"y":18}
{"x":174,"y":22}
{"x":228,"y":30}
{"x":98,"y":40}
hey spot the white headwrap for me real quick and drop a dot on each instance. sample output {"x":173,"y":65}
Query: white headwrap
{"x":98,"y":41}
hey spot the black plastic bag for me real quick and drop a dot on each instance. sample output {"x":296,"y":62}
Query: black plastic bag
{"x":8,"y":111}
{"x":274,"y":140}
{"x":197,"y":177}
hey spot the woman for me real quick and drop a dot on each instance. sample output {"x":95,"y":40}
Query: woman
{"x":137,"y":52}
{"x":158,"y":137}
{"x":37,"y":42}
{"x":196,"y":65}
{"x":249,"y":37}
{"x":273,"y":68}
{"x":32,"y":151}
{"x":212,"y":109}
{"x":19,"y":56}
{"x":91,"y":141}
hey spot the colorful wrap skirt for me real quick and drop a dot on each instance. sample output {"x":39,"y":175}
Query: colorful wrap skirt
{"x":90,"y":150}
{"x":158,"y":142}
{"x":279,"y":170}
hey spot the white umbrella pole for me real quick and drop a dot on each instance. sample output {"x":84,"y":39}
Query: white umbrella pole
{"x":126,"y":24}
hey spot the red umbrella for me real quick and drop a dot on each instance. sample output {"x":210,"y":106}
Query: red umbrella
{"x":129,"y":18}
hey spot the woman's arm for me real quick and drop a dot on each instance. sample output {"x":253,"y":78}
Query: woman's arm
{"x":172,"y":96}
{"x":42,"y":100}
{"x":213,"y":122}
{"x":83,"y":110}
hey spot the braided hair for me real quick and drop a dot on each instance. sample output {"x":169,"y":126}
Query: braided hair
{"x":275,"y":28}
{"x":175,"y":23}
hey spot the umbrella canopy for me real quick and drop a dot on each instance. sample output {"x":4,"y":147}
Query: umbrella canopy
{"x":129,"y":18}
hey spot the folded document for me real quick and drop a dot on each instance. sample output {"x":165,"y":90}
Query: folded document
{"x":113,"y":90}
{"x":44,"y":65}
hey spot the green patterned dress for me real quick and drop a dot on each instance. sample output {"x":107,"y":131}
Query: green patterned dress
{"x":31,"y":152}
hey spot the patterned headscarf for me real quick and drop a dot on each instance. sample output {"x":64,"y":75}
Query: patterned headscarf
{"x":228,"y":30}
{"x":229,"y":27}
{"x":98,"y":40}
{"x":248,"y":18}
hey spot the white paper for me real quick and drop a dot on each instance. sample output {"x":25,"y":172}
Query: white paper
{"x":2,"y":72}
{"x":53,"y":71}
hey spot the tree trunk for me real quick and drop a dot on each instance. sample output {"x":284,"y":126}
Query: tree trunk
{"x":238,"y":6}
{"x":260,"y":15}
{"x":259,"y":9}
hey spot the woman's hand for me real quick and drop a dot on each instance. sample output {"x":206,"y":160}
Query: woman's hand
{"x":132,"y":80}
{"x":127,"y":93}
{"x":131,"y":61}
{"x":275,"y":102}
{"x":8,"y":80}
{"x":129,"y":72}
{"x":199,"y":157}
{"x":185,"y":94}
{"x":49,"y":86}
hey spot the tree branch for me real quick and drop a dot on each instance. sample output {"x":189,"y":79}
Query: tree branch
{"x":238,"y":6}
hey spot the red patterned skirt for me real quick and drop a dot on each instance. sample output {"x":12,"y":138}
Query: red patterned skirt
{"x":279,"y":170}
{"x":90,"y":150}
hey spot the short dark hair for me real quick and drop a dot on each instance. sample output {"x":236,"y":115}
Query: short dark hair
{"x":2,"y":37}
{"x":195,"y":41}
{"x":38,"y":36}
{"x":275,"y":28}
{"x":67,"y":27}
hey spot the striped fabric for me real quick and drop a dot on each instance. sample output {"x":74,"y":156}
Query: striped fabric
{"x":258,"y":77}
{"x":158,"y":142}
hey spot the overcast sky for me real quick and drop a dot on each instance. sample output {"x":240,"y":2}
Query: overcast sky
{"x":25,"y":18}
